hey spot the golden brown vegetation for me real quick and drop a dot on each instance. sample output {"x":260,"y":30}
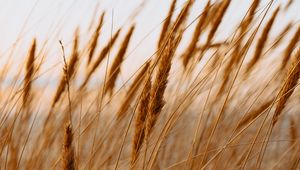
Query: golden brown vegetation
{"x":229,"y":104}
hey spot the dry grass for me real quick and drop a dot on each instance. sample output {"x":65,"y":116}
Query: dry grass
{"x":219,"y":102}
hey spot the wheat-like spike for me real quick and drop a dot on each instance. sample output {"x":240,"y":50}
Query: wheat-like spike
{"x":167,"y":23}
{"x":290,"y":48}
{"x":212,"y":13}
{"x":142,"y":111}
{"x":186,"y":56}
{"x":132,"y":91}
{"x":68,"y":156}
{"x":67,"y":79}
{"x":71,"y":71}
{"x":288,"y":87}
{"x":182,"y":17}
{"x":160,"y":83}
{"x":177,"y":27}
{"x":262,"y":41}
{"x":94,"y":40}
{"x":115,"y":68}
{"x":29,"y":72}
{"x":246,"y":23}
{"x":216,"y":22}
{"x":72,"y":65}
{"x":100,"y":58}
{"x":243,"y":28}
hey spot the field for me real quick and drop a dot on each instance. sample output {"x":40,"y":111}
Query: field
{"x":203,"y":99}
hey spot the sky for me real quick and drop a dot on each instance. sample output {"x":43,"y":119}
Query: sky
{"x":53,"y":20}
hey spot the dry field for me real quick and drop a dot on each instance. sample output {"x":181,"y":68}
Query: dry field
{"x":229,"y":103}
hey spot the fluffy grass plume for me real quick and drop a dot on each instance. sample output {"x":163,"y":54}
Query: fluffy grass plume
{"x":115,"y":67}
{"x":30,"y":68}
{"x":68,"y":155}
{"x":288,"y":87}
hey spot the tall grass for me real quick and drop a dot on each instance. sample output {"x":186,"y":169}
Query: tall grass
{"x":207,"y":103}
